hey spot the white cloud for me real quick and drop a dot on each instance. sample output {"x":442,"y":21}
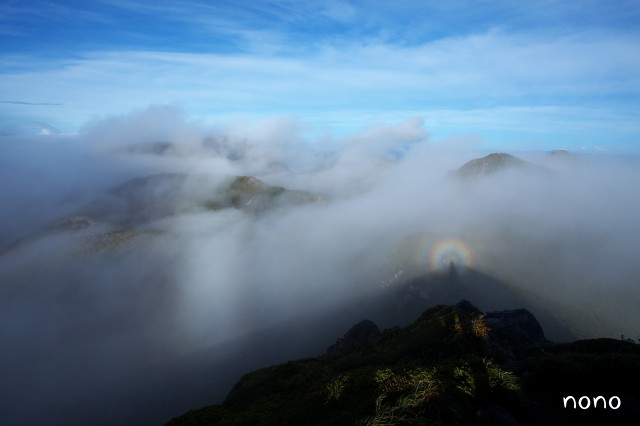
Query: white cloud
{"x":494,"y":71}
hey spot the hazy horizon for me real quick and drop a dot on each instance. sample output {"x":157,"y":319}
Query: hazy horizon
{"x":153,"y":277}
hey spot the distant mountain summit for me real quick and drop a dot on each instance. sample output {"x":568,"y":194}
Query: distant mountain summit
{"x":495,"y":163}
{"x":561,"y":158}
{"x":126,"y":211}
{"x":490,"y":164}
{"x":235,"y":151}
{"x":149,"y":198}
{"x":561,"y":153}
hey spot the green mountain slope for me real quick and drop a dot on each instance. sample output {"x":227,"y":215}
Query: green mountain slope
{"x":125,"y":211}
{"x":453,"y":365}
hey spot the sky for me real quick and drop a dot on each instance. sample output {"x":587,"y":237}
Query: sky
{"x":514,"y":75}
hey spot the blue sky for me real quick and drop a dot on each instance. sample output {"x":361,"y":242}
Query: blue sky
{"x":518,"y":75}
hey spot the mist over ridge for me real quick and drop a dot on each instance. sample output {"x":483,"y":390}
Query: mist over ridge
{"x":124,"y":244}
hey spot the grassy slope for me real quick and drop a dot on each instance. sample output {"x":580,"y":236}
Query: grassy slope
{"x":439,"y":370}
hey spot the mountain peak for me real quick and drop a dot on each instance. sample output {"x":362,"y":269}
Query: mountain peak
{"x":494,"y":163}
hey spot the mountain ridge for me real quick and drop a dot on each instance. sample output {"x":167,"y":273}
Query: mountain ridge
{"x":453,"y":365}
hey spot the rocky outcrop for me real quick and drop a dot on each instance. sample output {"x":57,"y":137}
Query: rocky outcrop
{"x":511,"y":335}
{"x":515,"y":334}
{"x":362,"y":334}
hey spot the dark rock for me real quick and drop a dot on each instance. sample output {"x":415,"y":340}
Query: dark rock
{"x":515,"y":334}
{"x":393,"y":329}
{"x":358,"y":336}
{"x":465,"y":305}
{"x":494,"y":415}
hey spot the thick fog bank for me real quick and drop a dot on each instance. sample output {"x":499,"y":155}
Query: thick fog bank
{"x":119,"y":298}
